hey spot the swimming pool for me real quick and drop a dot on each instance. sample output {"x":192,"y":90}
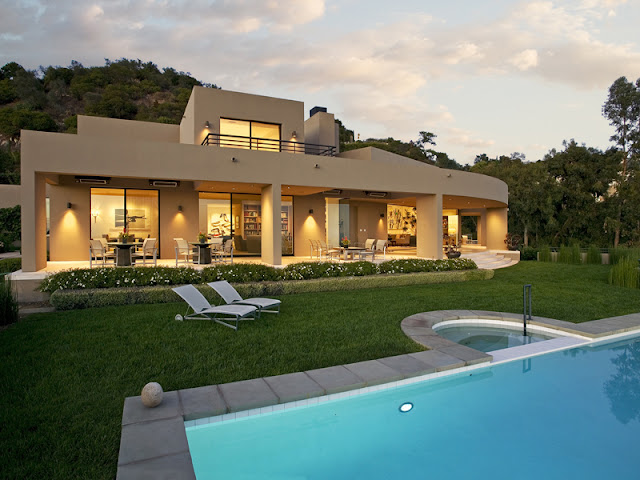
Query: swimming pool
{"x":569,"y":414}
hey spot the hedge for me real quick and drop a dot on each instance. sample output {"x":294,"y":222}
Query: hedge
{"x":101,"y":297}
{"x":108,"y":277}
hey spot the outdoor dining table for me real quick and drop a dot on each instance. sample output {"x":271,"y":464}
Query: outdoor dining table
{"x":350,"y":252}
{"x":123,"y":254}
{"x":204,"y":252}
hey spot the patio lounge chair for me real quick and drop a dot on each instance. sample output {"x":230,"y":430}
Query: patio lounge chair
{"x":202,"y":309}
{"x":231,"y":296}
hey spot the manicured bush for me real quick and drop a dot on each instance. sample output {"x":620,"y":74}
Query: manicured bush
{"x":8,"y":302}
{"x":594,"y":255}
{"x":545,"y":254}
{"x":101,"y":297}
{"x":107,"y":277}
{"x":625,"y":273}
{"x":528,"y":253}
{"x":8,"y":265}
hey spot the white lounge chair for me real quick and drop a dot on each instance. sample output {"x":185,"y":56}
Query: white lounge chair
{"x":203,"y":310}
{"x":231,"y":296}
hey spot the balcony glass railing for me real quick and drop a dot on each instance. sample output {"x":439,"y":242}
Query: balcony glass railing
{"x":254,"y":143}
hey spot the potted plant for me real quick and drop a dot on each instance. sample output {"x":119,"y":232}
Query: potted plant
{"x":452,"y":251}
{"x":202,"y":238}
{"x":345,"y":242}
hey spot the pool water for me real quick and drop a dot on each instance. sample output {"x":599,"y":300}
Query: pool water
{"x":569,"y":414}
{"x":488,"y":339}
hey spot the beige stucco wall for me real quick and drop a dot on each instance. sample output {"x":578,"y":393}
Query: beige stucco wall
{"x":308,"y":226}
{"x":321,"y":129}
{"x":210,"y":104}
{"x":9,"y":196}
{"x":127,"y":129}
{"x":368,"y":223}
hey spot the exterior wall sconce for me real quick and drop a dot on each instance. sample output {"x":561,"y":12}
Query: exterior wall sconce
{"x":234,"y":159}
{"x":180,"y":208}
{"x":69,"y":205}
{"x":448,"y":175}
{"x":294,"y":134}
{"x":316,"y":166}
{"x":382,"y":215}
{"x":207,"y":124}
{"x":311,"y":211}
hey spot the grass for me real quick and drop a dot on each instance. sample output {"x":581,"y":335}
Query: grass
{"x":65,"y":375}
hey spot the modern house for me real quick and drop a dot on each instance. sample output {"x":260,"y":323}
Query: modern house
{"x":241,"y":166}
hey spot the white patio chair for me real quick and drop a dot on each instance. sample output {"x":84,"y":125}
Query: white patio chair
{"x":148,"y":250}
{"x":369,"y":250}
{"x":203,"y":310}
{"x":381,"y":246}
{"x":185,"y":252}
{"x":225,"y":253}
{"x":97,"y":253}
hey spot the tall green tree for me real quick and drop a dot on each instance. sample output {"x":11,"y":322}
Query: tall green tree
{"x":622,"y":109}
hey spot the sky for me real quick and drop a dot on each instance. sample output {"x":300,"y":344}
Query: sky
{"x":492,"y":76}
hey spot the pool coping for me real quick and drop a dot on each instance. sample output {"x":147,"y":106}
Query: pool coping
{"x":154,"y":443}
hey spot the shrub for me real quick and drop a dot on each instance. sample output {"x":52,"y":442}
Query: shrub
{"x":545,"y":254}
{"x":108,"y":277}
{"x":618,"y":253}
{"x":570,"y":255}
{"x":9,"y":265}
{"x":529,"y":253}
{"x":625,"y":273}
{"x":8,"y":302}
{"x":90,"y":298}
{"x":594,"y":256}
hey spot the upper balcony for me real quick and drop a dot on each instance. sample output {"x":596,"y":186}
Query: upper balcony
{"x":267,"y":144}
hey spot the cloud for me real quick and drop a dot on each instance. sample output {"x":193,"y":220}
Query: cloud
{"x":525,"y":60}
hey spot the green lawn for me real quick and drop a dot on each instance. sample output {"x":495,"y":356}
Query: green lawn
{"x":64,"y":376}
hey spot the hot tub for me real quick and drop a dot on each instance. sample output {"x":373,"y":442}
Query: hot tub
{"x":491,"y":335}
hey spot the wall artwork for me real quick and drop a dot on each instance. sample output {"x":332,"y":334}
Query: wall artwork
{"x":135,"y":218}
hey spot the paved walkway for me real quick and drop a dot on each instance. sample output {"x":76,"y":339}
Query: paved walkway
{"x":154,"y":440}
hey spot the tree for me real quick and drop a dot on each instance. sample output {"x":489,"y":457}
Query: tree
{"x":622,"y":109}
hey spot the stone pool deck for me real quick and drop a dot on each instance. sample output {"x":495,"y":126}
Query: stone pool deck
{"x":153,"y":441}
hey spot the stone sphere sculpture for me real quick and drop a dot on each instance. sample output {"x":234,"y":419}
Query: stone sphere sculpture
{"x":152,"y":395}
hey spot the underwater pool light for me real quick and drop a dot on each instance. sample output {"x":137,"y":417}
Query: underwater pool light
{"x":406,"y":407}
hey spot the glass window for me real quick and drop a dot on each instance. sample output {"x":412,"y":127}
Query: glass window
{"x":249,"y":135}
{"x":215,"y":214}
{"x":114,"y":209}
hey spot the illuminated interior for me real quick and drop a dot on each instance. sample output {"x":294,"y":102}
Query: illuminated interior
{"x":264,"y":136}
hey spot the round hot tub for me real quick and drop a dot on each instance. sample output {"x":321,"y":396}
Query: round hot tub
{"x":487,"y":336}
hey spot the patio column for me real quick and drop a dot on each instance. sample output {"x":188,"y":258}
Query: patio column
{"x":34,"y":222}
{"x":271,"y":232}
{"x":497,"y":227}
{"x":429,"y":229}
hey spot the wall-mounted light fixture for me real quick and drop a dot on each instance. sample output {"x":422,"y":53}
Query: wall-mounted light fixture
{"x":234,"y":159}
{"x":95,"y":214}
{"x":207,"y":124}
{"x":316,"y":166}
{"x":180,"y":208}
{"x":69,"y":205}
{"x":382,"y":215}
{"x":294,"y":134}
{"x":448,"y":175}
{"x":311,"y":211}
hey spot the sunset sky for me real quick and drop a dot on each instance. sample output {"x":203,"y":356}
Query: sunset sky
{"x":490,"y":77}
